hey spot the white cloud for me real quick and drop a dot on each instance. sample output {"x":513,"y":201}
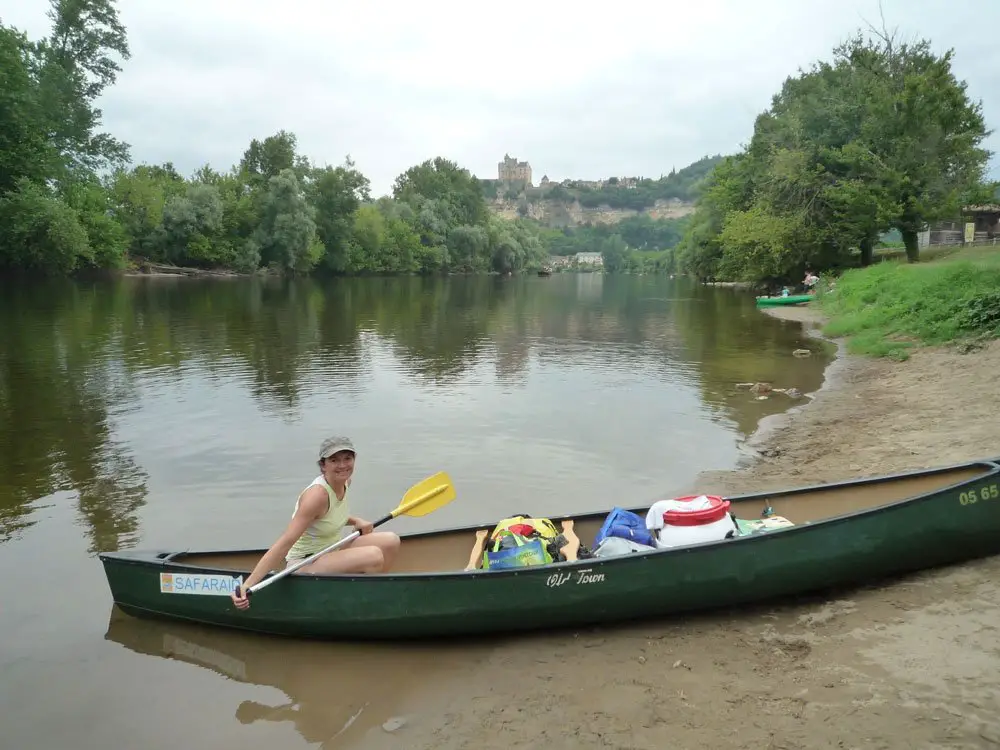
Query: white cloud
{"x":579,"y":90}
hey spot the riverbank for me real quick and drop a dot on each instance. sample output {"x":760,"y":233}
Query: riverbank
{"x":912,"y":663}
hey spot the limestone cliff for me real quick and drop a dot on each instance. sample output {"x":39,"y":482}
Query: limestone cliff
{"x":558,"y":214}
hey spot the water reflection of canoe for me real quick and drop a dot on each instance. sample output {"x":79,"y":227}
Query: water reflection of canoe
{"x":336,"y":694}
{"x":844,"y":533}
{"x":791,"y":299}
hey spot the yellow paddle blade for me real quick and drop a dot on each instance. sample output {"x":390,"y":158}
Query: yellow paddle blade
{"x":427,"y":496}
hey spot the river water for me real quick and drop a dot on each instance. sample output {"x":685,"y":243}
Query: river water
{"x":186,"y":413}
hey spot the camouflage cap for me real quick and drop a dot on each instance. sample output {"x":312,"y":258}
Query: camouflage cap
{"x":334,"y":445}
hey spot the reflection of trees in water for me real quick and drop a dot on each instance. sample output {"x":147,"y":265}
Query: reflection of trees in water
{"x":309,"y":333}
{"x":110,"y":499}
{"x":56,"y":389}
{"x":263,"y":326}
{"x":71,"y":352}
{"x":438,"y":328}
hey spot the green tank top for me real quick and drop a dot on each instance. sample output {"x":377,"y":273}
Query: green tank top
{"x":326,"y":529}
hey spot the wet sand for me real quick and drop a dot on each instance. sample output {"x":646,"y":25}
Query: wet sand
{"x":913,"y":663}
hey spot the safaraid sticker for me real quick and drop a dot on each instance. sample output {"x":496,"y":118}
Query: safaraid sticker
{"x":210,"y":585}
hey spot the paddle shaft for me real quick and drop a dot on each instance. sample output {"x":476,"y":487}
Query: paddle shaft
{"x":306,"y":560}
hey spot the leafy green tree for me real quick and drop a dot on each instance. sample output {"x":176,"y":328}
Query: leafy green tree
{"x":286,"y":236}
{"x":191,"y":228}
{"x":883,"y":137}
{"x":337,"y":193}
{"x":443,"y":180}
{"x":138,"y":198}
{"x":470,"y":247}
{"x":614,"y":253}
{"x":106,"y":237}
{"x":40,"y":232}
{"x":24,"y":150}
{"x":921,"y":129}
{"x":74,"y":65}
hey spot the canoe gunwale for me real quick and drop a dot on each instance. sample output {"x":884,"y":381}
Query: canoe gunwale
{"x":164,"y":560}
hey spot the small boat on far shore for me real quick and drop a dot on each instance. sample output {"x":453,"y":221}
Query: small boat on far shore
{"x":791,"y":299}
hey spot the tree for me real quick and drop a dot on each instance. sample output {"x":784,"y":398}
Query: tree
{"x":40,"y":232}
{"x":445,"y":181}
{"x":286,"y":236}
{"x":107,"y":239}
{"x":883,"y":137}
{"x":73,"y":67}
{"x":191,"y":229}
{"x":137,"y":200}
{"x":336,"y":193}
{"x":265,"y":159}
{"x":614,"y":253}
{"x":922,"y":130}
{"x":24,"y":150}
{"x":730,"y":187}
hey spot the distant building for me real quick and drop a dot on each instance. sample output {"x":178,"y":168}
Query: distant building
{"x":512,"y":170}
{"x":592,"y":259}
{"x":978,"y":224}
{"x":592,"y":184}
{"x":985,"y":221}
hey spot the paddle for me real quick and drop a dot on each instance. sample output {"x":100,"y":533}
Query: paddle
{"x":425,"y":497}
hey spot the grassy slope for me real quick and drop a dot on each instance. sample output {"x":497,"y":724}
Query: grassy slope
{"x":893,"y":306}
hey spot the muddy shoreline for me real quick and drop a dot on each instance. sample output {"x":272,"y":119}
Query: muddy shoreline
{"x":908,"y":663}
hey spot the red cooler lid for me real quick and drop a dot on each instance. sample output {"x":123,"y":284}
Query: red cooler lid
{"x":718,"y":509}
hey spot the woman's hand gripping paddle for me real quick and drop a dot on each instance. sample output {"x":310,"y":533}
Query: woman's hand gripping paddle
{"x":426,"y":497}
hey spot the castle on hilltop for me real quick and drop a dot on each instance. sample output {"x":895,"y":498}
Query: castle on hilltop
{"x":512,"y":170}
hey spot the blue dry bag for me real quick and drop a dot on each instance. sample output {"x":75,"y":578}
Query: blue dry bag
{"x":626,"y":525}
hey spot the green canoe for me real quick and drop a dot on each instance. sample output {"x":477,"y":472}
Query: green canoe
{"x":791,"y":299}
{"x":840,"y":534}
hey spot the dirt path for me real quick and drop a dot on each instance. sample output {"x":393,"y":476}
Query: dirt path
{"x":912,"y":664}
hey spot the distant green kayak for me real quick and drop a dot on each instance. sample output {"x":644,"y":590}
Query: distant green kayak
{"x":791,"y":299}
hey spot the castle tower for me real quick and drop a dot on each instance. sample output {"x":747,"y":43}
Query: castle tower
{"x":512,"y":170}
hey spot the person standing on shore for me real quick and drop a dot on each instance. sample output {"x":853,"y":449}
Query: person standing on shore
{"x":321,"y":513}
{"x":810,"y":281}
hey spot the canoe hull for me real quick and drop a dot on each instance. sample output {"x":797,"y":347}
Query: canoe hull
{"x":792,"y":299}
{"x":929,"y":530}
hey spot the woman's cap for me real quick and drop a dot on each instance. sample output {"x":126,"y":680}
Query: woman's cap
{"x":334,"y":445}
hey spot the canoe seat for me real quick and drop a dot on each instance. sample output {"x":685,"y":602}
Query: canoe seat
{"x":476,"y":558}
{"x":572,"y":542}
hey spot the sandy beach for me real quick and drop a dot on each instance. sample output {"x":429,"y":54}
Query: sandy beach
{"x":909,"y":664}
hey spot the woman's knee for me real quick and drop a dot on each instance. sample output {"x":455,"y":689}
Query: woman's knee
{"x":374,"y":559}
{"x":386,"y":541}
{"x":389,"y":541}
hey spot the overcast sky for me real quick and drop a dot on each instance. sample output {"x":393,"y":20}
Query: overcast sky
{"x":579,"y":90}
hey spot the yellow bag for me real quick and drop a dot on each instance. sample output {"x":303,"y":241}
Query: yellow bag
{"x":519,"y":541}
{"x":545,"y":528}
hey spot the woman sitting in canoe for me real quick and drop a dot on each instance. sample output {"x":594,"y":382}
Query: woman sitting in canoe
{"x":321,"y":513}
